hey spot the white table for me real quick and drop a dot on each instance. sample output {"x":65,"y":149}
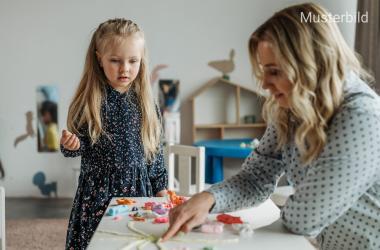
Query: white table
{"x":269,"y":232}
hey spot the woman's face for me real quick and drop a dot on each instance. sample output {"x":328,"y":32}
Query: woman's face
{"x":274,"y":78}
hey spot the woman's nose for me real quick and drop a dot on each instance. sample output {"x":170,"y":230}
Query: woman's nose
{"x":266,"y":83}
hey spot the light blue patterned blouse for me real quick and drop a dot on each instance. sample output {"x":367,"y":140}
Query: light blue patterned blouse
{"x":337,"y":197}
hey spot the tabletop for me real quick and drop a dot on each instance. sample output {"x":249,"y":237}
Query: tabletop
{"x":230,"y":148}
{"x":269,"y":233}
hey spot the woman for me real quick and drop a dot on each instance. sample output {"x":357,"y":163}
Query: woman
{"x":323,"y":134}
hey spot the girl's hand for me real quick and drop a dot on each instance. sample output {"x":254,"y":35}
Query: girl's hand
{"x":70,"y":141}
{"x":189,"y":215}
{"x":162,"y":193}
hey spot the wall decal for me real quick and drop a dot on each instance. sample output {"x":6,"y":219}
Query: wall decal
{"x":2,"y":173}
{"x":46,"y":189}
{"x":47,"y":133}
{"x":29,"y":129}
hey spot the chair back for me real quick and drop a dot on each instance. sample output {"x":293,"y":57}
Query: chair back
{"x":185,"y":155}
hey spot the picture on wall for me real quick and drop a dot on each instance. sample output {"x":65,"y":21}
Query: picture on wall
{"x":168,"y":95}
{"x":47,"y":122}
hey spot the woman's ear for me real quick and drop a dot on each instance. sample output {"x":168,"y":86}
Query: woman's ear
{"x":99,"y":58}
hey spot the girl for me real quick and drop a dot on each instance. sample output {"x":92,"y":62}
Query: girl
{"x":115,"y":128}
{"x":323,"y":134}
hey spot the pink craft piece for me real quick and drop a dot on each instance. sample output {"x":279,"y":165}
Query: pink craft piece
{"x":149,"y":205}
{"x":161,"y":220}
{"x":212,"y":227}
{"x":160,"y":209}
{"x":117,"y":217}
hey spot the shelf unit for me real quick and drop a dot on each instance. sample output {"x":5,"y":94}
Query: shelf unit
{"x":218,"y":110}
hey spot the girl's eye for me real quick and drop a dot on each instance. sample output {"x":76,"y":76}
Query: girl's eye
{"x":115,"y":60}
{"x":133,"y":61}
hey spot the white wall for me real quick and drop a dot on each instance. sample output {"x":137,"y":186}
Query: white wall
{"x":44,"y":42}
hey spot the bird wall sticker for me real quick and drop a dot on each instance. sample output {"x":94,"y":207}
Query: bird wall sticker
{"x":224,"y":66}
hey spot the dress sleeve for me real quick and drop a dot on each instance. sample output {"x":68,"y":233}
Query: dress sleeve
{"x":255,"y":181}
{"x":84,"y":145}
{"x":157,"y":172}
{"x":346,"y":168}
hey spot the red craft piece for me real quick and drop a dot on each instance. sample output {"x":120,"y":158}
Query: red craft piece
{"x":229,"y":219}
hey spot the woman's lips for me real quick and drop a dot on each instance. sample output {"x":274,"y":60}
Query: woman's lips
{"x":279,"y":95}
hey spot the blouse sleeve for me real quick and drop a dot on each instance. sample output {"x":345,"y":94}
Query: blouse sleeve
{"x":347,"y":167}
{"x":256,"y":180}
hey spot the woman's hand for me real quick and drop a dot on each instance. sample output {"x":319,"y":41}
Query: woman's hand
{"x":190,"y":214}
{"x":162,"y":193}
{"x":70,"y":141}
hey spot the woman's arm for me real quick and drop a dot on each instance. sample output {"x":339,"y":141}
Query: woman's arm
{"x":348,"y":166}
{"x":255,"y":182}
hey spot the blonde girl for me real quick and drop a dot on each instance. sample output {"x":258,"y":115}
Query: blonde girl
{"x":115,"y":128}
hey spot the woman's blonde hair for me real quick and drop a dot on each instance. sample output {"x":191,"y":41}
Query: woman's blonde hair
{"x":316,"y":59}
{"x":85,"y":108}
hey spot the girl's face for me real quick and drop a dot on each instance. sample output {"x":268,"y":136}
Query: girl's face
{"x":121,"y":63}
{"x":274,"y":78}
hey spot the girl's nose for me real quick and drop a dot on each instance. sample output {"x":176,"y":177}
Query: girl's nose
{"x":124,"y":68}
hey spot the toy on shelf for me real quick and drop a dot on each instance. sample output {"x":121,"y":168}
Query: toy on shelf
{"x":253,"y":144}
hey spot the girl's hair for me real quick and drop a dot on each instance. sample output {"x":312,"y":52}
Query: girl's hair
{"x":315,"y":58}
{"x":85,"y":108}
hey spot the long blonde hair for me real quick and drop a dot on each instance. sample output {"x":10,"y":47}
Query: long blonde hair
{"x":85,"y":108}
{"x":316,"y":60}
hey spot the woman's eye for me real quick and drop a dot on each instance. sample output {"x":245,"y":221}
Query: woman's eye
{"x":274,"y":72}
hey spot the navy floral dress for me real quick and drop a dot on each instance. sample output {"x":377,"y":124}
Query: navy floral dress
{"x":114,"y":166}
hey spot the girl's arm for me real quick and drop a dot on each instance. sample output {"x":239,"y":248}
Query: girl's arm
{"x":157,"y":174}
{"x":78,"y":145}
{"x":255,"y":182}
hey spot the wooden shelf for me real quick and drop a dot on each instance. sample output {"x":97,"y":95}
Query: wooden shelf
{"x":219,"y":108}
{"x":253,"y":125}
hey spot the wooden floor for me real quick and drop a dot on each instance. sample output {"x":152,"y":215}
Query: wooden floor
{"x":32,"y":208}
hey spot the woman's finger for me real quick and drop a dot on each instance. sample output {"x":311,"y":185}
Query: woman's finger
{"x":190,"y":224}
{"x":175,"y":227}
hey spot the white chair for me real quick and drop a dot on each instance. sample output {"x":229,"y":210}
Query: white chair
{"x":2,"y":218}
{"x":185,"y":154}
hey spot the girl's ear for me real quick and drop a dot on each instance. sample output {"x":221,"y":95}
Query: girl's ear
{"x":99,"y":58}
